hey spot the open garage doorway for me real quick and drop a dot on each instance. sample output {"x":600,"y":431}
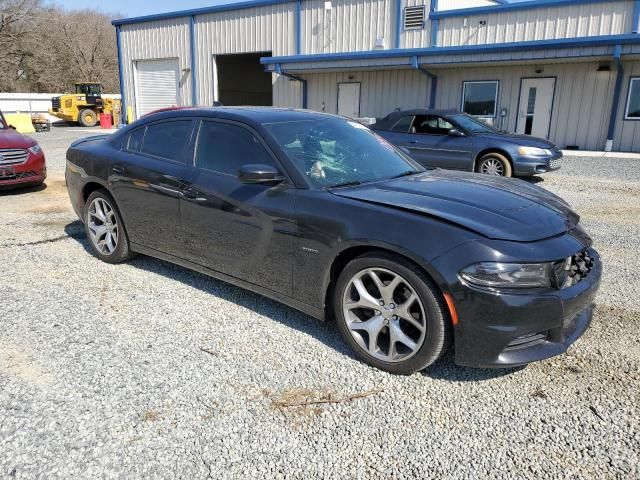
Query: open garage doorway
{"x":241,"y":80}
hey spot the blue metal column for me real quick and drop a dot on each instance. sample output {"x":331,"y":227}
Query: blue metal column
{"x":194,"y":81}
{"x":617,"y":57}
{"x":398,"y":24}
{"x":435,"y":23}
{"x":298,"y":27}
{"x":433,"y":79}
{"x":279,"y":71}
{"x":123,"y":103}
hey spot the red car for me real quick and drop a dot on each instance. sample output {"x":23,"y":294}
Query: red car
{"x":21,"y":158}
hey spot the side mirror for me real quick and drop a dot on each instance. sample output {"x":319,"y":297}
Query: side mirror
{"x":454,"y":132}
{"x":257,"y":173}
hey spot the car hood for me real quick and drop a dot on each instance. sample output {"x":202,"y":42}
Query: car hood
{"x":9,"y":138}
{"x":496,"y":207}
{"x":521,"y":140}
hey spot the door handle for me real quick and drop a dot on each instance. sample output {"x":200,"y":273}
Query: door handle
{"x":189,"y":193}
{"x":117,"y":169}
{"x":412,"y":142}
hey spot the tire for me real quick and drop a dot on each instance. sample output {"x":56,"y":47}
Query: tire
{"x":495,"y":164}
{"x":428,"y":311}
{"x":121,"y":251}
{"x":88,"y":118}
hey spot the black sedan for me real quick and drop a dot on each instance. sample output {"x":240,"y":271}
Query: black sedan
{"x":322,"y":214}
{"x":457,"y":141}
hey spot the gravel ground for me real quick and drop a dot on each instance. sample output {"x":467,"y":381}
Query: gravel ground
{"x":150,"y":370}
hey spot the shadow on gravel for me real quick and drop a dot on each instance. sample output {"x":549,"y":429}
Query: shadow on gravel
{"x":21,"y":190}
{"x":444,"y":369}
{"x":534,"y":179}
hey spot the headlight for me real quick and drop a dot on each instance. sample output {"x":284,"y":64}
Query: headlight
{"x":35,"y":149}
{"x":534,"y":151}
{"x":508,"y":275}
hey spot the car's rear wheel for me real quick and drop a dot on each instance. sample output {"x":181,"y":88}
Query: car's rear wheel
{"x":105,"y":228}
{"x":495,"y":164}
{"x":391,"y":313}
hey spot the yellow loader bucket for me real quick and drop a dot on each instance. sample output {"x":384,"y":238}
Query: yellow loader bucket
{"x":21,"y":121}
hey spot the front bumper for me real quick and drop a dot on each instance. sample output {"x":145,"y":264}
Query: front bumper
{"x":530,"y":165}
{"x":498,"y":329}
{"x":32,"y":172}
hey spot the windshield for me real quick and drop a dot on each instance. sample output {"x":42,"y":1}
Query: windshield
{"x":473,"y":125}
{"x":333,"y":152}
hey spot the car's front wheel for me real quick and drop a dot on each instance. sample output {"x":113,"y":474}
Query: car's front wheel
{"x":105,"y":228}
{"x":391,"y":313}
{"x":495,"y":164}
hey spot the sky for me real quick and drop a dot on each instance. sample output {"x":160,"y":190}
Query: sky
{"x":135,"y":8}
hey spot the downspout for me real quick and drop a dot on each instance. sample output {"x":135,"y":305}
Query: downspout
{"x":398,"y":23}
{"x":617,"y":58}
{"x":279,"y":71}
{"x":636,"y":17}
{"x":194,"y":82}
{"x":432,"y":78}
{"x":298,"y":27}
{"x":123,"y":103}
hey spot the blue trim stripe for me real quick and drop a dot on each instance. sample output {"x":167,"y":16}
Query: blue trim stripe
{"x":604,"y":40}
{"x":509,"y":7}
{"x":617,"y":56}
{"x":194,"y":81}
{"x":636,"y":17}
{"x":200,"y":11}
{"x":123,"y":101}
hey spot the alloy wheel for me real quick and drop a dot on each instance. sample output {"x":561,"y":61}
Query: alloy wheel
{"x":103,"y":226}
{"x":384,"y":314}
{"x":492,"y":166}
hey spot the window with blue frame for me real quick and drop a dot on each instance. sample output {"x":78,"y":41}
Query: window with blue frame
{"x":632,"y":112}
{"x":480,"y":99}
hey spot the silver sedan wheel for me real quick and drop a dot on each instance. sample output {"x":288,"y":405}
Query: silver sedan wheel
{"x":492,"y":166}
{"x":103,"y":226}
{"x":384,"y":314}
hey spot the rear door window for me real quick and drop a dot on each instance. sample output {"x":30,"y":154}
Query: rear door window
{"x":134,"y":140}
{"x":403,"y":125}
{"x":167,"y":139}
{"x":224,"y":148}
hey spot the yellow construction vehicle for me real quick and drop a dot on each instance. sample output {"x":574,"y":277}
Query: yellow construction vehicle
{"x":84,"y":106}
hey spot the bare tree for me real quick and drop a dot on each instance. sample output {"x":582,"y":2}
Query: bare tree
{"x":52,"y":48}
{"x":16,"y":24}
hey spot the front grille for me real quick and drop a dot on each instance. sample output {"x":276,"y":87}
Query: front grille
{"x":55,"y":103}
{"x":19,"y":176}
{"x":573,"y":269}
{"x":12,"y":157}
{"x":555,"y":163}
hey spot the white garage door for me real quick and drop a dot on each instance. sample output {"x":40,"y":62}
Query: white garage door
{"x":156,"y":85}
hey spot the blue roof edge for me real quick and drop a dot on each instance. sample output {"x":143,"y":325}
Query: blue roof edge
{"x":602,"y":40}
{"x":199,"y":11}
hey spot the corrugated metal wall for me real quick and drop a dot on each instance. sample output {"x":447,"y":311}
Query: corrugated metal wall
{"x":381,"y":91}
{"x":589,"y":19}
{"x":582,"y":100}
{"x":152,"y":41}
{"x":241,"y":31}
{"x":627,"y":132}
{"x":417,"y":38}
{"x":350,"y":25}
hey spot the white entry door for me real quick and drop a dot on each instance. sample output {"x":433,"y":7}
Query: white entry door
{"x":536,"y":103}
{"x":156,"y":85}
{"x":349,"y":99}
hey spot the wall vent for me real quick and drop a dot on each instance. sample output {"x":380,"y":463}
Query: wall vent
{"x":414,"y":17}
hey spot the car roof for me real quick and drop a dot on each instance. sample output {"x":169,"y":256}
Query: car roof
{"x":260,"y":115}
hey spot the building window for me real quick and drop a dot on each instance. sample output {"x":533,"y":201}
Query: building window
{"x":632,"y":112}
{"x":480,"y":99}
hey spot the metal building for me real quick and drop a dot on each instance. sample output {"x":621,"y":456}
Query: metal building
{"x":568,"y":70}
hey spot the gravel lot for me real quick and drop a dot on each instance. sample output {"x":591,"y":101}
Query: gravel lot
{"x":150,"y":370}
